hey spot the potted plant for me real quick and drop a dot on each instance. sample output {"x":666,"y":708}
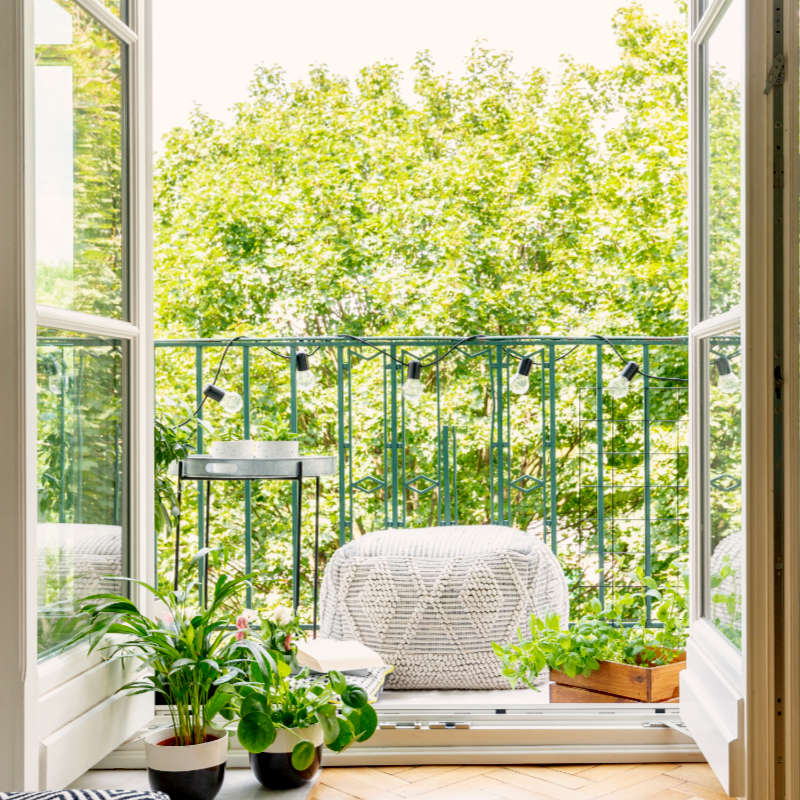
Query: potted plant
{"x":284,"y":719}
{"x":193,"y":659}
{"x":602,"y":657}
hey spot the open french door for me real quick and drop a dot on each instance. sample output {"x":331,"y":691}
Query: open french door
{"x":744,"y":441}
{"x":76,"y":354}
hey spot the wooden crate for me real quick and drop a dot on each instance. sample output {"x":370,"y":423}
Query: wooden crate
{"x":619,"y":683}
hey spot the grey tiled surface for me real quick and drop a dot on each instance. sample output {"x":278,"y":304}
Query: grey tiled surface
{"x":240,"y":784}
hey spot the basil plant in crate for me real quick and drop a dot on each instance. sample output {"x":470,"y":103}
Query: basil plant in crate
{"x":284,"y":718}
{"x":609,"y":654}
{"x":191,"y":656}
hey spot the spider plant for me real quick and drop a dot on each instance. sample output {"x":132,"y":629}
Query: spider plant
{"x":190,"y":656}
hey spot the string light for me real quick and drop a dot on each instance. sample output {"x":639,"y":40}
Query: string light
{"x":521,"y":381}
{"x":728,"y":381}
{"x":619,"y":386}
{"x":305,"y":377}
{"x":231,"y":402}
{"x":412,"y":388}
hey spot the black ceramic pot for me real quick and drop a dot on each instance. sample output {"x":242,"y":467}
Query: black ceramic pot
{"x":273,"y":767}
{"x":186,"y":772}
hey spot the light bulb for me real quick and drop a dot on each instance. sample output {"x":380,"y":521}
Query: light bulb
{"x":618,"y":387}
{"x":729,"y":384}
{"x":412,"y":388}
{"x":231,"y":402}
{"x":521,"y":381}
{"x":728,"y":381}
{"x":304,"y":376}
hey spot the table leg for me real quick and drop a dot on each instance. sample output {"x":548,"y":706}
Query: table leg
{"x":316,"y":555}
{"x":177,"y":532}
{"x":298,"y":533}
{"x":205,"y":557}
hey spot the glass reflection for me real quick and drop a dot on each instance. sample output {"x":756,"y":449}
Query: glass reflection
{"x":79,"y":147}
{"x":725,"y":543}
{"x":724,"y":81}
{"x":81,"y":476}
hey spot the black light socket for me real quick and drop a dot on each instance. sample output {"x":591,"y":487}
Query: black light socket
{"x":525,"y":364}
{"x":631,"y":368}
{"x":214,"y":393}
{"x":301,"y":360}
{"x":723,"y":365}
{"x":413,"y":371}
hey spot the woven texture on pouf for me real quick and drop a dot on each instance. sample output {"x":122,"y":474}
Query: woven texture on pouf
{"x":432,"y":600}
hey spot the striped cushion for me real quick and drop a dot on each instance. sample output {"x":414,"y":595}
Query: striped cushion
{"x":432,"y":600}
{"x":85,"y":794}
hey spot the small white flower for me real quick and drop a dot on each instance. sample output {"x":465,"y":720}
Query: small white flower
{"x":251,"y":615}
{"x":282,"y":615}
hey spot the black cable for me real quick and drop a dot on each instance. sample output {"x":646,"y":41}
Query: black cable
{"x":626,"y":360}
{"x":423,"y":359}
{"x":214,"y":381}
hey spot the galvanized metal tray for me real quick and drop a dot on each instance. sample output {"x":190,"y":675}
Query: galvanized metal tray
{"x":220,"y":469}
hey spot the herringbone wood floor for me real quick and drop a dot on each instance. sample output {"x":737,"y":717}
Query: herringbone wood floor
{"x":563,"y":782}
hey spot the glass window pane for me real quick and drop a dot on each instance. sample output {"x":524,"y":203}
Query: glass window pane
{"x":724,"y":80}
{"x":82,"y":475}
{"x":724,"y":540}
{"x":80,"y":153}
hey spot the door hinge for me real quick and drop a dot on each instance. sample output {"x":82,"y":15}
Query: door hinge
{"x":777,"y":72}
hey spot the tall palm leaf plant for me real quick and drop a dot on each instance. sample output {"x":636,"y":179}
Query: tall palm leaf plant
{"x":191,"y":656}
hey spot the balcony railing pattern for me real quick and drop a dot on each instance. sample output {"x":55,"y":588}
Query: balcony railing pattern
{"x":602,"y":480}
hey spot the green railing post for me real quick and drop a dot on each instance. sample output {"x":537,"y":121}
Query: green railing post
{"x":394,"y":444}
{"x":198,"y":380}
{"x":344,"y":525}
{"x":248,"y":502}
{"x":500,"y":443}
{"x":551,"y":368}
{"x":296,"y":533}
{"x":647,"y":496}
{"x":444,"y":476}
{"x":600,"y":482}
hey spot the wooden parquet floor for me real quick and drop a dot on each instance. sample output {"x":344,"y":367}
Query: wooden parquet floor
{"x":561,"y":782}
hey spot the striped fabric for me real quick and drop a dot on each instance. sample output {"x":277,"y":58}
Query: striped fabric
{"x":432,"y":600}
{"x":85,"y":794}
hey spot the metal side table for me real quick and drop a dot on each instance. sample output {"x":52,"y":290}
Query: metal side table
{"x":207,"y":468}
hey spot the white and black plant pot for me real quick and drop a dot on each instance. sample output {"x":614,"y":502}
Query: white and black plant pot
{"x":273,"y":767}
{"x":186,"y":772}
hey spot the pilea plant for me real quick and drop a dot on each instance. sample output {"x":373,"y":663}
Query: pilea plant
{"x":274,"y":698}
{"x":618,"y":633}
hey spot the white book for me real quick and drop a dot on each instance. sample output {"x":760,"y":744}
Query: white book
{"x":323,"y":655}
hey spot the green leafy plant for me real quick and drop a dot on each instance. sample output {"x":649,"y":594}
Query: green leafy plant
{"x":274,"y":698}
{"x":617,"y":633}
{"x":190,"y":655}
{"x":170,"y":444}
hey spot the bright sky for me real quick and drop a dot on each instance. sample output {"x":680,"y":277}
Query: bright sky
{"x":205,"y":51}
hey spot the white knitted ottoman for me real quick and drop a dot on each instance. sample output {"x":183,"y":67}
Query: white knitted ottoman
{"x":432,"y":600}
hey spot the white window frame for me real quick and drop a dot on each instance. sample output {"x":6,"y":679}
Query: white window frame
{"x":64,"y":706}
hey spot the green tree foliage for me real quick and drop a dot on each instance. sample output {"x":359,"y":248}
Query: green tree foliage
{"x":491,"y":202}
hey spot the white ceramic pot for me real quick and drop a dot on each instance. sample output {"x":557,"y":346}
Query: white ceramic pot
{"x":277,"y":449}
{"x":190,"y":772}
{"x":273,"y":767}
{"x":238,"y":448}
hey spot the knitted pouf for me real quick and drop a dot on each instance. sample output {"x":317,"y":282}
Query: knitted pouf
{"x":432,"y":600}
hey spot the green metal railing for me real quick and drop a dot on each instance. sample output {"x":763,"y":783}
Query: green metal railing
{"x":603,"y":482}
